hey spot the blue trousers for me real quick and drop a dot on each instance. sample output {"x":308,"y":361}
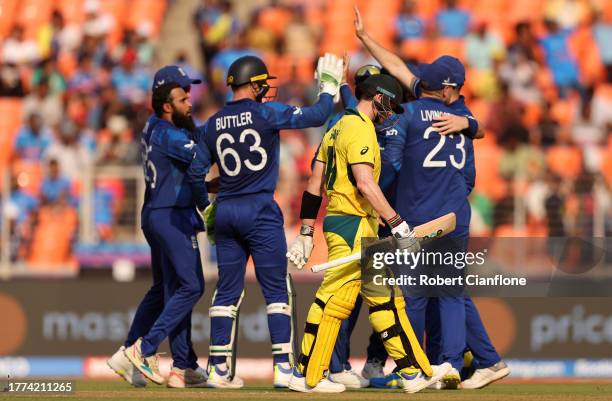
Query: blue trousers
{"x":477,"y":339}
{"x":171,"y":233}
{"x":452,"y":325}
{"x":250,"y":226}
{"x":152,"y":304}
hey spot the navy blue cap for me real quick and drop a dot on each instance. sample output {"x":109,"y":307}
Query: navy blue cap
{"x":415,"y":69}
{"x":455,"y":66}
{"x":173,"y":73}
{"x":436,"y":76}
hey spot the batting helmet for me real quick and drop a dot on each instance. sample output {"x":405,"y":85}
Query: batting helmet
{"x":247,"y":69}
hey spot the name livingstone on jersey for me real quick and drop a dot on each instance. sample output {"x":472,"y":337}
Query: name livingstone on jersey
{"x":430,"y":115}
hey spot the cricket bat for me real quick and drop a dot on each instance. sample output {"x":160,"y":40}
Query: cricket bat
{"x":432,"y":229}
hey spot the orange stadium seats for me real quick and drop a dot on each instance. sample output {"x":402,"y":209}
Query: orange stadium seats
{"x":118,"y":9}
{"x":275,"y":19}
{"x":450,"y":46}
{"x":8,"y":10}
{"x":532,"y":114}
{"x":487,"y":156}
{"x":417,"y":49}
{"x":331,"y":24}
{"x":8,"y":129}
{"x":29,"y":175}
{"x":33,"y":14}
{"x":428,"y":8}
{"x":564,"y":161}
{"x":379,"y":17}
{"x":339,"y":31}
{"x":606,"y":164}
{"x":72,"y":11}
{"x":146,"y":11}
{"x":524,"y":10}
{"x":51,"y":245}
{"x":585,"y":50}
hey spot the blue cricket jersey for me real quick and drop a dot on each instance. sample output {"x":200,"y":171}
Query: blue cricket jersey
{"x":469,"y":172}
{"x":174,"y":167}
{"x":431,"y":179}
{"x":243,"y":139}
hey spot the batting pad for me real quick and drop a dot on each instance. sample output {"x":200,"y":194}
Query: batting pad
{"x":338,"y":308}
{"x":390,"y":321}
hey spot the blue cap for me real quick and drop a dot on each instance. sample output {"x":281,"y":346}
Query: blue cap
{"x":437,"y":76}
{"x":455,"y":66}
{"x":415,"y":69}
{"x":170,"y":74}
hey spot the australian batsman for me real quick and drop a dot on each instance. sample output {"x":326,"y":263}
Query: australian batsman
{"x":348,"y":167}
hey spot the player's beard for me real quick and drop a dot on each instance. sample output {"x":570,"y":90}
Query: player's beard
{"x":183,"y":121}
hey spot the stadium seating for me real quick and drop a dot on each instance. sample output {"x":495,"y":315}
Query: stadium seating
{"x":332,"y":28}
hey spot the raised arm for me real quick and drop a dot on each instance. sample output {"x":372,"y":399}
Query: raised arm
{"x":282,"y":116}
{"x":392,"y":62}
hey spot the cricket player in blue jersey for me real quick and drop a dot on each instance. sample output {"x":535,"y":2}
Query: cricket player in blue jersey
{"x":448,"y":348}
{"x":487,"y":363}
{"x":243,"y":139}
{"x":174,"y":170}
{"x":152,"y":304}
{"x":390,"y":138}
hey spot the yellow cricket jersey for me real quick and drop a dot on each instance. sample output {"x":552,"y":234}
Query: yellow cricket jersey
{"x":351,"y":140}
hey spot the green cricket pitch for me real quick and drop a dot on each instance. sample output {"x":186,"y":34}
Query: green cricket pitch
{"x":505,"y":391}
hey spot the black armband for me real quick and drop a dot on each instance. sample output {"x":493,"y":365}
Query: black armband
{"x":310,"y":205}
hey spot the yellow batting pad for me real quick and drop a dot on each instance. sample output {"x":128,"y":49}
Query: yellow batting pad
{"x":397,"y":347}
{"x":338,"y":308}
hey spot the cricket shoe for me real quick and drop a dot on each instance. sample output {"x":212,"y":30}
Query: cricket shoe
{"x":350,"y":379}
{"x":187,"y":378}
{"x":451,"y":380}
{"x":148,"y":366}
{"x":486,"y":376}
{"x":372,"y":368}
{"x":439,"y":385}
{"x":416,"y":382}
{"x":121,"y":365}
{"x":392,"y":380}
{"x":282,"y":374}
{"x":298,"y":383}
{"x":219,"y":378}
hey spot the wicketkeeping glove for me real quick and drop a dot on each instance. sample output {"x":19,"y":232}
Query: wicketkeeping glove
{"x":329,"y":73}
{"x":406,"y":238}
{"x":209,"y":220}
{"x":300,"y":249}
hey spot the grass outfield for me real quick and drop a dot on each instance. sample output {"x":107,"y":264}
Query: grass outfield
{"x":117,"y":390}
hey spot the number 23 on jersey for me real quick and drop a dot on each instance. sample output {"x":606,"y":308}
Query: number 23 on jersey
{"x":431,"y":161}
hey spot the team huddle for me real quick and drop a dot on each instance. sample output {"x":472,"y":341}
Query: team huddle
{"x":400,"y":154}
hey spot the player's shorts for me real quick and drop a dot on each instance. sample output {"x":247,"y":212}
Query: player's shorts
{"x":343,"y":234}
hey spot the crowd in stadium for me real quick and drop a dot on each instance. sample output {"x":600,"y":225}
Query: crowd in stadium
{"x":74,"y":93}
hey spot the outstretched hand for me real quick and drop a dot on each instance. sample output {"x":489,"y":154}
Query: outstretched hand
{"x":359,"y":29}
{"x":346,"y":59}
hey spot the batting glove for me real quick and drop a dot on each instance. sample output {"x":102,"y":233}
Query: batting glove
{"x":329,"y":74}
{"x":301,"y":248}
{"x":406,"y":238}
